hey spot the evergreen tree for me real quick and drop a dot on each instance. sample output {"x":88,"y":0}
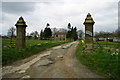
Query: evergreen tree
{"x":69,"y":31}
{"x":68,"y":35}
{"x":47,"y":25}
{"x":72,"y":34}
{"x":75,"y":36}
{"x":47,"y":32}
{"x":69,"y":26}
{"x":41,"y":35}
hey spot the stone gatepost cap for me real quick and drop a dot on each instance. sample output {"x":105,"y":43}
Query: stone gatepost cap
{"x":89,"y":19}
{"x":21,"y":22}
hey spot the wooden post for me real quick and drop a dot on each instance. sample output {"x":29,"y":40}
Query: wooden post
{"x":89,"y":32}
{"x":21,"y":30}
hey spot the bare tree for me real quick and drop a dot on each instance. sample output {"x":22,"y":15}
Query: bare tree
{"x":11,"y":33}
{"x":28,"y":35}
{"x":54,"y":30}
{"x":80,"y":34}
{"x":34,"y":34}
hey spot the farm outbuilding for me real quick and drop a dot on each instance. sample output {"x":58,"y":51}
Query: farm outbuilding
{"x":60,"y":36}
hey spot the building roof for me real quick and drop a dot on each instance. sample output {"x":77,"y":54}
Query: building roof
{"x":60,"y":33}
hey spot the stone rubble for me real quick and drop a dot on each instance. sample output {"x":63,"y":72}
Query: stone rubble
{"x":26,"y":76}
{"x":67,"y":46}
{"x":24,"y":67}
{"x":45,"y":62}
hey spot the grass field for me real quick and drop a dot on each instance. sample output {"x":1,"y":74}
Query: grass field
{"x":101,"y":61}
{"x":11,"y":54}
{"x":106,"y":44}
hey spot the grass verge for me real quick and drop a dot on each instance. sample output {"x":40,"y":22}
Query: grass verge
{"x":101,"y":61}
{"x":11,"y":54}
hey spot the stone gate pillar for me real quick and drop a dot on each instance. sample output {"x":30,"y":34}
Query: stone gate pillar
{"x":21,"y":30}
{"x":88,"y":31}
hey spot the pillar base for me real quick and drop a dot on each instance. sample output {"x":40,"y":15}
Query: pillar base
{"x":88,"y":47}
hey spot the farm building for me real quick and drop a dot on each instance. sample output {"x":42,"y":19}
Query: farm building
{"x":114,"y":39}
{"x":60,"y":36}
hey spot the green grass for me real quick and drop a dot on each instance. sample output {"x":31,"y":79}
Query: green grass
{"x":10,"y":55}
{"x":101,"y":61}
{"x":107,"y":44}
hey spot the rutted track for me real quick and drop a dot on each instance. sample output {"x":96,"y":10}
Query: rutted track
{"x":56,"y":62}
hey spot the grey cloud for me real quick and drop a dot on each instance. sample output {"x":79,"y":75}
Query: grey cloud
{"x":18,"y":7}
{"x":60,"y":14}
{"x":119,"y":13}
{"x":0,"y":19}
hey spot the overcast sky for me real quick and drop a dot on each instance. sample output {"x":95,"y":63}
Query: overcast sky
{"x":58,"y":13}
